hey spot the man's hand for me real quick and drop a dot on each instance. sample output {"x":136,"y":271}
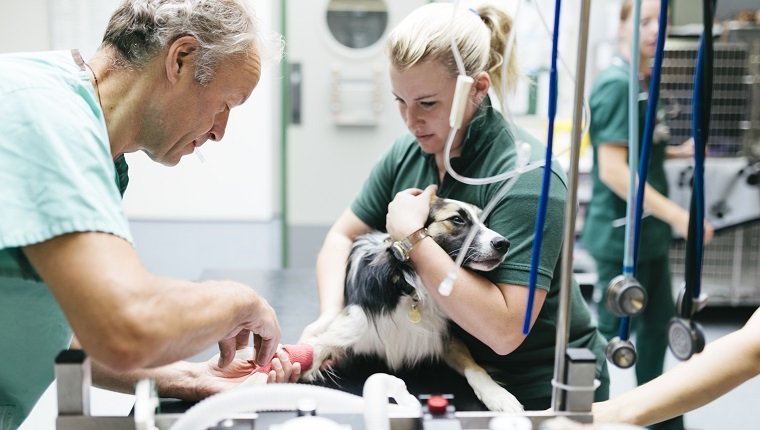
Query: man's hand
{"x":207,"y":378}
{"x":266,"y":336}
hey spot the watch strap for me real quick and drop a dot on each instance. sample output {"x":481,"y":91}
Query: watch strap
{"x":401,"y":248}
{"x":414,"y":239}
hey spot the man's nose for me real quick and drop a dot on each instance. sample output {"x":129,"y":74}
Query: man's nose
{"x":220,"y":125}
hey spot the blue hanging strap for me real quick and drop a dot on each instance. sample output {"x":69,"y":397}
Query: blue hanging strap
{"x":538,"y":237}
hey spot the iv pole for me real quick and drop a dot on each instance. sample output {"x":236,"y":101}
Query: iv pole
{"x":563,"y":317}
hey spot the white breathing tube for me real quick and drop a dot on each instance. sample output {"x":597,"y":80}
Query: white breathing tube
{"x":198,"y":153}
{"x":459,"y":104}
{"x":278,"y":397}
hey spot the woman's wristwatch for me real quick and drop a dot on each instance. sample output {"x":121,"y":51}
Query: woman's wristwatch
{"x":401,"y":248}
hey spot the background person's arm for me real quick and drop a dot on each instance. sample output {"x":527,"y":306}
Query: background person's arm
{"x":614,"y":173}
{"x":684,"y":150}
{"x":127,"y":318}
{"x":724,"y":364}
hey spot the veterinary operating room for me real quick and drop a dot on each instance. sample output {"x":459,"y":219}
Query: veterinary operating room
{"x":379,"y":214}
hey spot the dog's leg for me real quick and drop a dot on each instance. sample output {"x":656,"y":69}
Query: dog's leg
{"x":493,"y":395}
{"x":340,"y":336}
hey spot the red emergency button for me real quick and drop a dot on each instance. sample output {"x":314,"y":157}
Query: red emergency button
{"x":437,"y":405}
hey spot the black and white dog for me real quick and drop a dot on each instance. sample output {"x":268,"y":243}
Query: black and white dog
{"x":389,"y":314}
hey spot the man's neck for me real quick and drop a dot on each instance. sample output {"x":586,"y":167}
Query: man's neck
{"x":123,"y":94}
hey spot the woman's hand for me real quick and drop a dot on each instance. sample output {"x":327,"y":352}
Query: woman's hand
{"x":317,"y":327}
{"x":408,"y":212}
{"x":684,"y":150}
{"x":681,"y":225}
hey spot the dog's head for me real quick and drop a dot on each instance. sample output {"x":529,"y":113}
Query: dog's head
{"x":449,"y":223}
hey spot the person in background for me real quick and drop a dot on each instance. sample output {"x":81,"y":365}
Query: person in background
{"x":487,"y":309}
{"x":610,"y":172}
{"x":162,"y":82}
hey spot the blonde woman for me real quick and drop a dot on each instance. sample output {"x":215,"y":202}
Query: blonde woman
{"x":487,"y":309}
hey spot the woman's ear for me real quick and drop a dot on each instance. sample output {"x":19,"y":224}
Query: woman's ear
{"x":481,"y":85}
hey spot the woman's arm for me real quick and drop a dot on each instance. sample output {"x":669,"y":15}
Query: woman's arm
{"x":684,"y":150}
{"x":331,"y":269}
{"x":475,"y":302}
{"x":614,"y":173}
{"x":724,"y":364}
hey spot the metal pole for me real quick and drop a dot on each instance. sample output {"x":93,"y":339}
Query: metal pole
{"x":563,"y":317}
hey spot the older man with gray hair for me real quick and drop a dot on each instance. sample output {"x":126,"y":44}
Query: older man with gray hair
{"x":162,"y":82}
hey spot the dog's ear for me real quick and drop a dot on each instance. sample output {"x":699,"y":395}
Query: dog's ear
{"x":435,"y":204}
{"x":375,"y":279}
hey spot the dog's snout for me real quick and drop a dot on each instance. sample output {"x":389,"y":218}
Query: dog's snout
{"x":500,"y":244}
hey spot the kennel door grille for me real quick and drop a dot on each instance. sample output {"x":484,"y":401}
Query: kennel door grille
{"x":730,"y":116}
{"x":730,"y":266}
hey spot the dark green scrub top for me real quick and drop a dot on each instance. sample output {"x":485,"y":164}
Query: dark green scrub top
{"x":489,"y":149}
{"x":609,"y":126}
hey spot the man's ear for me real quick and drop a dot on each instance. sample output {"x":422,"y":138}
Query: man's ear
{"x":180,"y":58}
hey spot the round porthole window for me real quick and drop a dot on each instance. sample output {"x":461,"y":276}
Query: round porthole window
{"x":357,"y":24}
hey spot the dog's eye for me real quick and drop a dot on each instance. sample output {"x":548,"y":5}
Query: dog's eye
{"x":457,"y":220}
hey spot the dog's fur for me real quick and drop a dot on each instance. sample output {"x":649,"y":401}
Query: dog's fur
{"x":380,"y":292}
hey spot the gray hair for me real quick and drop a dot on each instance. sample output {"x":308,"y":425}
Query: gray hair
{"x":140,"y":29}
{"x":481,"y":35}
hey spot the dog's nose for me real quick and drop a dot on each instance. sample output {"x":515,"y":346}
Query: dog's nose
{"x":500,"y":244}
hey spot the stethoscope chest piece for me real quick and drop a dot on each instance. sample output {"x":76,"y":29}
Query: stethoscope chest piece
{"x":621,"y":353}
{"x":685,"y":338}
{"x":625,"y":296}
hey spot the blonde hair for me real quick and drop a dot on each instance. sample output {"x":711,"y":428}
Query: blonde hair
{"x":481,"y":36}
{"x":625,"y":10}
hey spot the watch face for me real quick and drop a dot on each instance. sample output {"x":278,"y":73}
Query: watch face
{"x":398,"y":252}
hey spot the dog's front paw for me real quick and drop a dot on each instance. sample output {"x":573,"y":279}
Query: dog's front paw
{"x":323,"y":360}
{"x":312,"y":375}
{"x":498,"y":399}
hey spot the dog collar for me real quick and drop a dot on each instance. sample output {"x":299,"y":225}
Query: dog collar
{"x":401,"y":248}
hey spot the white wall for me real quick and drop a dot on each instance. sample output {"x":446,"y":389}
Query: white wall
{"x":239,"y":180}
{"x":23,"y":25}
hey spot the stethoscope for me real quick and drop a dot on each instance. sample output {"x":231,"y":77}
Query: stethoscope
{"x":625,"y":295}
{"x":685,"y":336}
